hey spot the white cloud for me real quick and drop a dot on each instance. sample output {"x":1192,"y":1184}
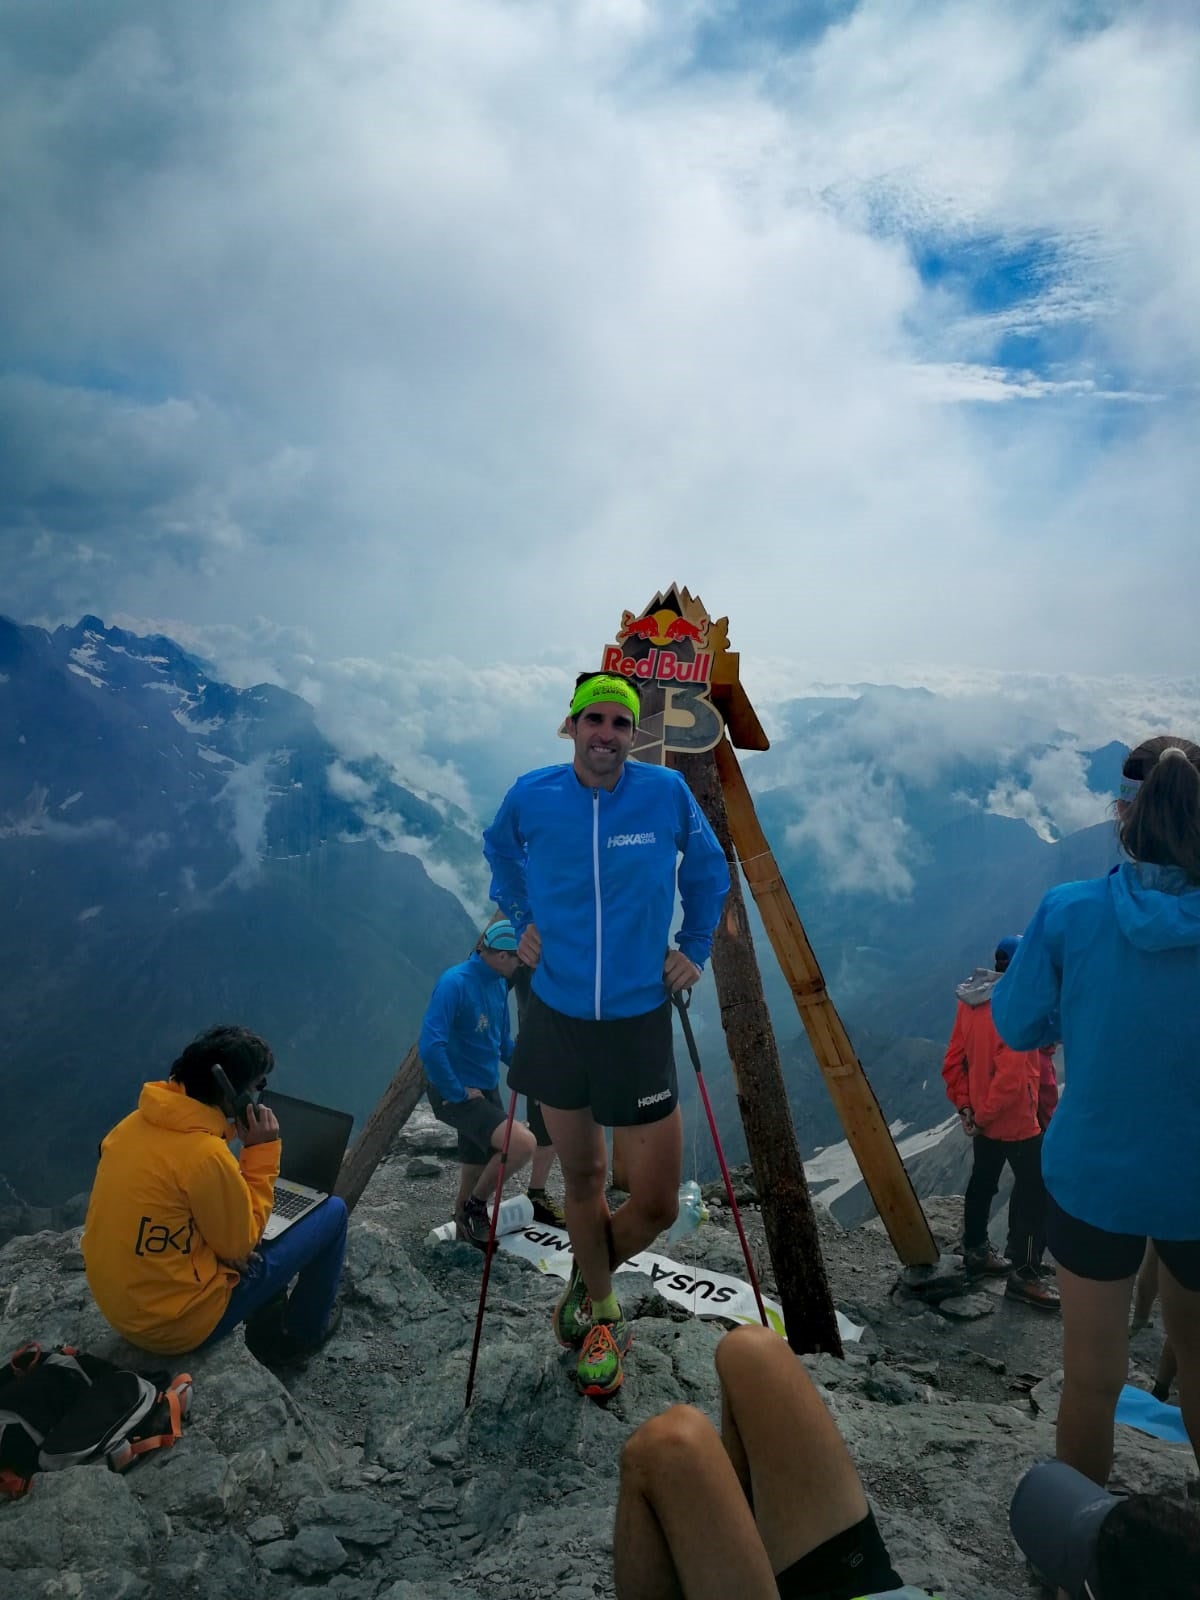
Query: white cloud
{"x":247,"y":793}
{"x":439,"y":331}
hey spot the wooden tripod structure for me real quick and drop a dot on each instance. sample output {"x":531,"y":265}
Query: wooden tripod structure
{"x":695,"y":716}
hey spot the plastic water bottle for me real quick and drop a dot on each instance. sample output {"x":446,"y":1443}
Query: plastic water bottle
{"x":514,"y":1214}
{"x":692,"y":1211}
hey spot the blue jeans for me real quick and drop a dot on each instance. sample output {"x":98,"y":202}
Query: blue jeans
{"x":314,"y":1248}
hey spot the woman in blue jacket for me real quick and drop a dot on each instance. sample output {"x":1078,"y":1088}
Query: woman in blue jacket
{"x":1117,"y":959}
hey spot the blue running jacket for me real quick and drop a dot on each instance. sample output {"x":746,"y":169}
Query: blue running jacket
{"x":1118,"y":959}
{"x":465,"y":1034}
{"x":595,"y":871}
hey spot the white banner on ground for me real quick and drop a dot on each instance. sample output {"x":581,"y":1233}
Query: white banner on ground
{"x":702,"y":1292}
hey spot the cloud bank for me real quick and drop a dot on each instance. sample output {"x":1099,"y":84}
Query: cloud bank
{"x":439,"y":332}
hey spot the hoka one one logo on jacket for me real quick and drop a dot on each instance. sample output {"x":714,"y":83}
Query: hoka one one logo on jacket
{"x":617,"y":839}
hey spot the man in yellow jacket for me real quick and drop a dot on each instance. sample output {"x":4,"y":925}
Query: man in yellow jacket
{"x":172,"y":1238}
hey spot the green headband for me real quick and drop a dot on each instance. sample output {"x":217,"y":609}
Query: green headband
{"x":605,"y":688}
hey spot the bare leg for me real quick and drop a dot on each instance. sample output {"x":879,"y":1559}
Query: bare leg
{"x":579,"y":1141}
{"x":1168,"y":1368}
{"x":1145,"y":1291}
{"x":543,"y":1160}
{"x":1095,"y":1366}
{"x":778,"y":1439}
{"x":520,"y":1152}
{"x":1181,"y":1314}
{"x":785,"y":1446}
{"x":653,"y":1157}
{"x":676,"y":1479}
{"x":468,"y":1177}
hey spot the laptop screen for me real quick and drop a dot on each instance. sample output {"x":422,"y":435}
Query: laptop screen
{"x":314,"y":1139}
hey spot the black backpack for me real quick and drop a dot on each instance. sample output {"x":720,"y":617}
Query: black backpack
{"x":61,"y":1407}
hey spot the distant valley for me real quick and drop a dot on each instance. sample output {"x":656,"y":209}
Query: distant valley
{"x":175,"y":851}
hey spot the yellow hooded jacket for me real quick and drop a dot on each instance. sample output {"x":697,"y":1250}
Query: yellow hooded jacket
{"x":169,"y":1207}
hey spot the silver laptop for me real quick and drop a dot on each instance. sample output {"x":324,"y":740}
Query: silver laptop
{"x":313,"y":1140}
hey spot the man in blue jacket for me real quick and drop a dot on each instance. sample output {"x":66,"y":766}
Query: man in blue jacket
{"x":584,"y":863}
{"x":464,"y":1037}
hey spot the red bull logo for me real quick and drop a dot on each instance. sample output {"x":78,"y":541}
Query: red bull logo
{"x":662,"y":628}
{"x":664,"y":631}
{"x":663,"y":666}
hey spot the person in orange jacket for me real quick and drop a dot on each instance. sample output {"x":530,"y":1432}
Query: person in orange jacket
{"x":997,"y":1092}
{"x":172,"y":1241}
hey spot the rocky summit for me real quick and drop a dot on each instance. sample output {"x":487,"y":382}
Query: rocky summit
{"x":360,"y":1475}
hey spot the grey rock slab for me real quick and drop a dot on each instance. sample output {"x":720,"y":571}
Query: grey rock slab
{"x":423,"y":1167}
{"x":353,"y":1515}
{"x":1045,"y":1396}
{"x":263,"y":1530}
{"x":207,"y":1566}
{"x":71,"y":1584}
{"x":423,"y":1134}
{"x":313,"y":1553}
{"x":186,"y":1481}
{"x":935,"y":1282}
{"x":83,"y":1517}
{"x":892,"y":1388}
{"x":967,"y":1307}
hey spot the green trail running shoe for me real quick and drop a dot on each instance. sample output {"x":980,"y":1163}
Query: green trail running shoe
{"x":599,"y":1372}
{"x":573,"y":1313}
{"x":546,"y":1209}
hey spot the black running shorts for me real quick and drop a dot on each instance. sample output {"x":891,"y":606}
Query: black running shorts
{"x":852,"y":1563}
{"x":1106,"y":1257}
{"x":623,"y":1071}
{"x":475,"y":1120}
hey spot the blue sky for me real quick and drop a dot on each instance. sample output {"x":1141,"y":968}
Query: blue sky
{"x":362,"y":334}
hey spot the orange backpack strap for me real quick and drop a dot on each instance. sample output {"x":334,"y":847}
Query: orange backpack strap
{"x":177,"y":1397}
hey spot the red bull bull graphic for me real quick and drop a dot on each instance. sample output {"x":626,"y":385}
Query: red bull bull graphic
{"x":661,"y":631}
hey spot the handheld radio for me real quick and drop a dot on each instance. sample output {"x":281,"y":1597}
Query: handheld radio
{"x":237,"y":1102}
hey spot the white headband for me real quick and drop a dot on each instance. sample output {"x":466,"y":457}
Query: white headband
{"x":1128,"y":788}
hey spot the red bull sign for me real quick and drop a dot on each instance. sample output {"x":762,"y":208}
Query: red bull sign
{"x":661,"y":633}
{"x":670,"y":649}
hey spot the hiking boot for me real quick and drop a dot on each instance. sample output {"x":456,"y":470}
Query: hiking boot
{"x":1035,"y":1291}
{"x":547,"y":1210}
{"x":285,"y":1350}
{"x":472,"y":1223}
{"x":986,"y":1262}
{"x":599,"y":1371}
{"x":573,"y":1314}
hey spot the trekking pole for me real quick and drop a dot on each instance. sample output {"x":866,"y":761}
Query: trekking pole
{"x":491,"y":1245}
{"x":683,"y":999}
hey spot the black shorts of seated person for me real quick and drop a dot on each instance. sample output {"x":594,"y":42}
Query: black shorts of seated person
{"x":1104,"y":1257}
{"x":474,"y":1119}
{"x":854,"y":1562}
{"x":623,"y":1071}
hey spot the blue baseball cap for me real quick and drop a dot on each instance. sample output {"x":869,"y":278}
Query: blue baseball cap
{"x":500,"y":936}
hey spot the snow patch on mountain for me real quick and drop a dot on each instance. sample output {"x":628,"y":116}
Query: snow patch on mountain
{"x":834,"y":1172}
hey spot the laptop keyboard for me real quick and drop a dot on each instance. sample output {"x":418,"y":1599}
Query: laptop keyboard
{"x":290,"y":1204}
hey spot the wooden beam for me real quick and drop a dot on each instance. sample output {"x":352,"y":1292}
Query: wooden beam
{"x":866,"y":1131}
{"x":396,"y":1105}
{"x":787,"y":1212}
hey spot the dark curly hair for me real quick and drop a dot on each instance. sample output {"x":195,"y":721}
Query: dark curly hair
{"x":245,"y":1057}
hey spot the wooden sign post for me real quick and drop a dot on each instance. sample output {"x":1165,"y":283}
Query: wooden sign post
{"x":694,"y":712}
